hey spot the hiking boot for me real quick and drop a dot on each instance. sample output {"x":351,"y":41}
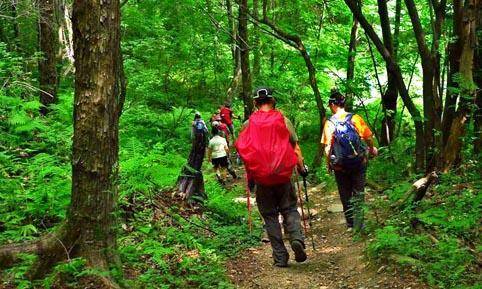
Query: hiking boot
{"x":280,"y":264}
{"x":299,"y":249}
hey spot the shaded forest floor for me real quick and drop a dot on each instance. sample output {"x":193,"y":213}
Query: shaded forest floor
{"x":338,"y":262}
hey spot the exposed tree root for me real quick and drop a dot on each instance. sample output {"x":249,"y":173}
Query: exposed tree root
{"x":63,"y":245}
{"x":9,"y":253}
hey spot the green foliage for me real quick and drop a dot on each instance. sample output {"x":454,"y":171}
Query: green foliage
{"x":435,"y":237}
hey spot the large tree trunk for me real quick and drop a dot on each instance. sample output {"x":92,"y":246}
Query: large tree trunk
{"x":395,"y":69}
{"x":350,"y":71}
{"x":467,"y":35}
{"x":245,"y":94}
{"x":48,"y":46}
{"x":389,"y":97}
{"x":96,"y":126}
{"x":89,"y":230}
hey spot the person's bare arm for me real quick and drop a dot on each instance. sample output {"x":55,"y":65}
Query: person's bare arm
{"x":299,"y":155}
{"x":226,"y":148}
{"x":371,"y":146}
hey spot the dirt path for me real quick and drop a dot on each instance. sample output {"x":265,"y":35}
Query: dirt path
{"x":338,"y":261}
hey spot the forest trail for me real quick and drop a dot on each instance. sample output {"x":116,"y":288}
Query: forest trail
{"x":337,"y":263}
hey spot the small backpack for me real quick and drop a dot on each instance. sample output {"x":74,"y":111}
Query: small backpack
{"x":199,"y":127}
{"x":347,"y":148}
{"x":265,"y":148}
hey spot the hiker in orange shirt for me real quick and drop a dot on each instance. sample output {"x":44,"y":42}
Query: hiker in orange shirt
{"x":348,"y":142}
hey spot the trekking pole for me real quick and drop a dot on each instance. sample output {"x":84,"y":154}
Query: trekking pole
{"x":301,"y":204}
{"x":248,"y":204}
{"x":308,"y":208}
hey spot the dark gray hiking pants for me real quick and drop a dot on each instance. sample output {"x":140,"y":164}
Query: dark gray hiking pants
{"x":351,"y":187}
{"x":273,"y":201}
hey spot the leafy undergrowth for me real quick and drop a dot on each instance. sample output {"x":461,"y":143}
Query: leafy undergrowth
{"x":162,"y":244}
{"x":439,"y":237}
{"x":173,"y":246}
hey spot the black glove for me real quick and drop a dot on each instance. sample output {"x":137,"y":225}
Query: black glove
{"x":303,"y":171}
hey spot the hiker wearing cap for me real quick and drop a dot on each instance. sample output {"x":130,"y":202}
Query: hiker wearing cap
{"x":269,"y":148}
{"x":199,"y":128}
{"x":218,"y":152}
{"x":223,"y":128}
{"x":216,"y":116}
{"x":348,"y":143}
{"x":227,"y":117}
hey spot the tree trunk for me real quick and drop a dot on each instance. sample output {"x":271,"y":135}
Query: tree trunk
{"x":396,"y":31}
{"x":89,"y":231}
{"x":191,"y":182}
{"x":66,"y":36}
{"x":389,"y":97}
{"x":245,"y":94}
{"x":319,"y":103}
{"x":395,"y":69}
{"x":350,"y":71}
{"x":15,"y":26}
{"x":256,"y":44}
{"x":453,"y":147}
{"x":96,"y":126}
{"x":431,"y":79}
{"x":478,"y":81}
{"x":48,"y":46}
{"x":235,"y":52}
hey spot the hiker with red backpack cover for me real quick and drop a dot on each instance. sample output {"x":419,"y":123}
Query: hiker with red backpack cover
{"x":227,"y":117}
{"x":269,"y":148}
{"x":348,"y":143}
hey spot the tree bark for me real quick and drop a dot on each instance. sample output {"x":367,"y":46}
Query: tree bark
{"x":478,"y":81}
{"x":396,"y":31}
{"x":235,"y":52}
{"x":15,"y":26}
{"x":389,"y":97}
{"x":66,"y":36}
{"x":431,"y":68}
{"x":48,"y":46}
{"x":453,"y":147}
{"x":454,"y":53}
{"x":245,"y":94}
{"x":350,"y":71}
{"x":256,"y":44}
{"x":89,"y":229}
{"x":96,"y":126}
{"x":191,"y":182}
{"x":395,"y":69}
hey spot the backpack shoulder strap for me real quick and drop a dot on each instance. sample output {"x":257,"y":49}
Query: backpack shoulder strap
{"x":333,"y":119}
{"x":348,"y":117}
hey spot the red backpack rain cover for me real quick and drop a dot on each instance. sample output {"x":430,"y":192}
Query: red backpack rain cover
{"x":265,"y":148}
